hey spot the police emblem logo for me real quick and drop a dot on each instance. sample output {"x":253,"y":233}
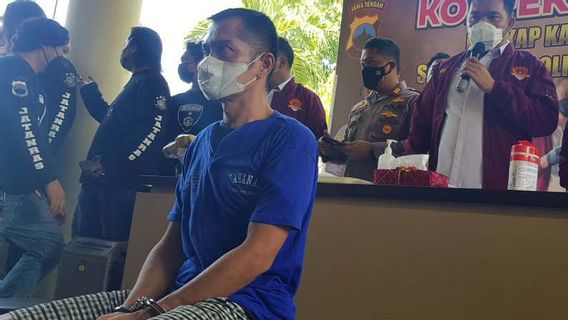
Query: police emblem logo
{"x":161,"y":102}
{"x":387,"y":129}
{"x":19,"y":88}
{"x":188,"y":115}
{"x":295,"y":104}
{"x":520,"y":73}
{"x":70,"y":80}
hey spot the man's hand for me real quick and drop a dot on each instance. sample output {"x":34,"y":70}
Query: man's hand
{"x":544,"y":162}
{"x":56,"y":198}
{"x":479,"y":74}
{"x":93,"y":168}
{"x":358,"y":150}
{"x":140,"y":315}
{"x":328,"y":150}
{"x":83,"y":82}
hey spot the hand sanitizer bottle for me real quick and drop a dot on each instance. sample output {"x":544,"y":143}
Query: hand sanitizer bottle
{"x":386,"y":159}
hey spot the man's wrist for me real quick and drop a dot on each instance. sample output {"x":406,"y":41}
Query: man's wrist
{"x":491,"y":86}
{"x":142,"y":304}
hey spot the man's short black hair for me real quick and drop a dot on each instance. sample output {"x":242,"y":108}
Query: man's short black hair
{"x":33,"y":34}
{"x":285,"y":49}
{"x":259,"y":31}
{"x":148,"y":47}
{"x":16,"y":12}
{"x":436,"y":57}
{"x":195,"y":50}
{"x":386,"y":48}
{"x":508,"y":4}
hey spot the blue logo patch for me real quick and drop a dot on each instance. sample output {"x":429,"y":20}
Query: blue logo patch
{"x":189,"y":115}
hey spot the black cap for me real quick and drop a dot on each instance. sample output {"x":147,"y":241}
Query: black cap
{"x":33,"y":34}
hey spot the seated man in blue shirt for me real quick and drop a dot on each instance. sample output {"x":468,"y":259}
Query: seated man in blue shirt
{"x":235,"y":244}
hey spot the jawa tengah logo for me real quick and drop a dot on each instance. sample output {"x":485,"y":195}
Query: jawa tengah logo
{"x":365,"y":21}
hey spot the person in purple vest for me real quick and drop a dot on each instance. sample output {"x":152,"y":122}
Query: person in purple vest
{"x":291,"y":98}
{"x":510,"y":97}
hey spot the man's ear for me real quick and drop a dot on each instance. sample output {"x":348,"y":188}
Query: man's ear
{"x":282,"y":62}
{"x":268,"y":62}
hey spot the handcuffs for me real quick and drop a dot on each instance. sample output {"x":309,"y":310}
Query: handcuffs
{"x":141,"y":304}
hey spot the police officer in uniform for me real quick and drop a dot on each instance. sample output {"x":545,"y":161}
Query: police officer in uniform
{"x":127,"y":143}
{"x":384,"y":114}
{"x":190,"y":112}
{"x":34,"y":198}
{"x":59,"y":79}
{"x":59,"y":82}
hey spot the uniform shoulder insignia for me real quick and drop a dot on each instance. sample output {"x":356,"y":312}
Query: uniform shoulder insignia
{"x":19,"y":88}
{"x":161,"y":102}
{"x":70,"y":79}
{"x":359,"y":105}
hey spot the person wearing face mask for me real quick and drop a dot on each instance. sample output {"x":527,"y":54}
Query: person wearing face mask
{"x":291,"y":98}
{"x":510,"y":97}
{"x":190,"y":112}
{"x":236,"y":238}
{"x":59,"y":79}
{"x":34,"y":199}
{"x":127,"y":142}
{"x":384,"y":114}
{"x":60,"y":83}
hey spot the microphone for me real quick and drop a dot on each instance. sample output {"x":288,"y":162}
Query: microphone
{"x":477,"y":52}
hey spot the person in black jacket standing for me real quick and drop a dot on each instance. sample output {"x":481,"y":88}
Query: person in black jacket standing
{"x":34,"y":198}
{"x":127,"y":143}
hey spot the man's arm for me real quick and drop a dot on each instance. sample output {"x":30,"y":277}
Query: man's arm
{"x":22,"y":125}
{"x":147,"y":134}
{"x":316,"y":117}
{"x":533,"y":107}
{"x":235,"y":269}
{"x":93,"y":99}
{"x":160,"y":268}
{"x":420,"y":133}
{"x":563,"y":165}
{"x":62,"y":97}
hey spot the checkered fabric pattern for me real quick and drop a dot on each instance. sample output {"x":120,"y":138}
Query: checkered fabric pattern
{"x":90,"y":307}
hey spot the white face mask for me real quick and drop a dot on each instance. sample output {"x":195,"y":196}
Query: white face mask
{"x":487,"y":33}
{"x":218,"y":79}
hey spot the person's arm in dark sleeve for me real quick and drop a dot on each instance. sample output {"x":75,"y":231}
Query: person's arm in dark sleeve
{"x":563,"y":165}
{"x":152,"y":99}
{"x":419,"y":135}
{"x":94,"y":102}
{"x":534,"y":109}
{"x":316,"y":116}
{"x":62,"y":100}
{"x":25,"y":132}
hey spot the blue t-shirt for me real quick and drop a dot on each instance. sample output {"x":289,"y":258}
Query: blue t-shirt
{"x":264,"y":172}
